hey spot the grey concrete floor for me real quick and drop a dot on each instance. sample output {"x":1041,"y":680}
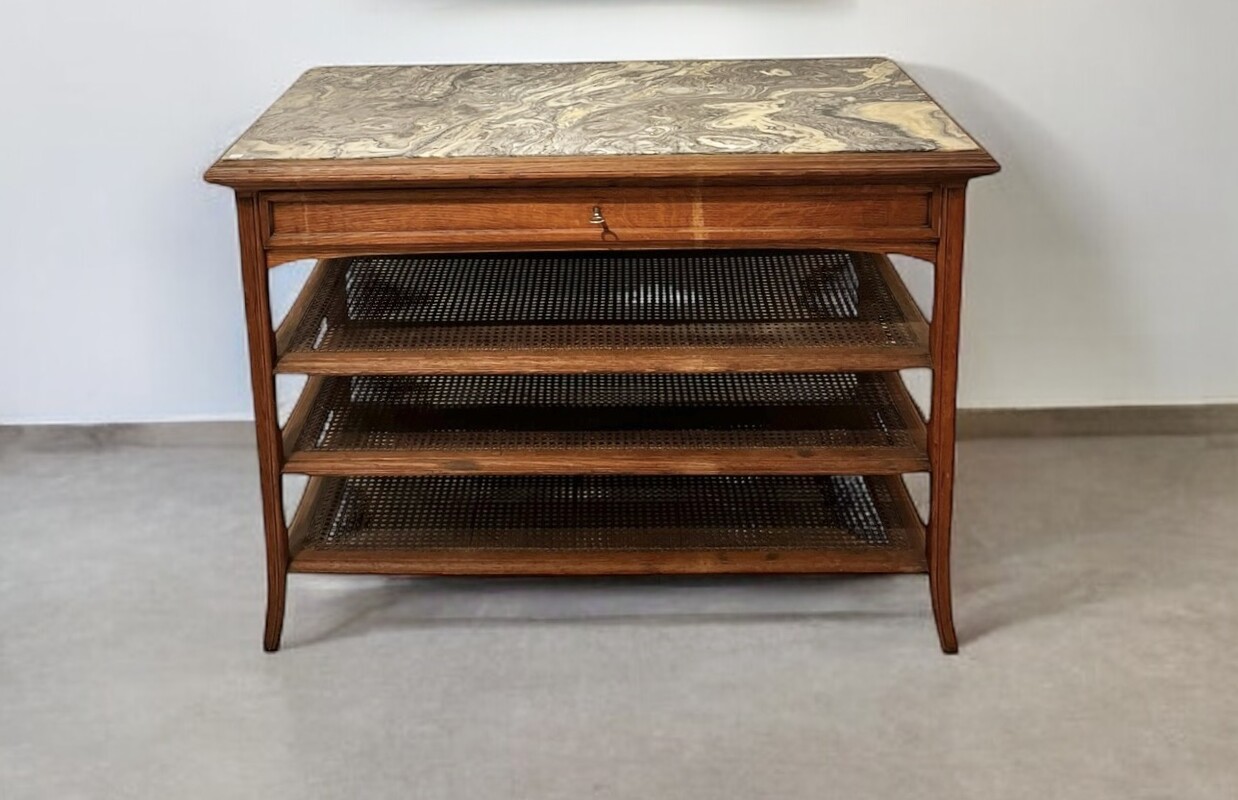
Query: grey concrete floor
{"x":1095,"y":587}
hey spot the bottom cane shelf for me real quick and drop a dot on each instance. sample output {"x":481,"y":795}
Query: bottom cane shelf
{"x":606,"y":524}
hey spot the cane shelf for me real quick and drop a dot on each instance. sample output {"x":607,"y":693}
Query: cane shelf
{"x":606,"y":524}
{"x":589,"y":312}
{"x":632,"y":423}
{"x":491,"y":469}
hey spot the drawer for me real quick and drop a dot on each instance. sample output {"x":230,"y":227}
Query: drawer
{"x":328,"y":223}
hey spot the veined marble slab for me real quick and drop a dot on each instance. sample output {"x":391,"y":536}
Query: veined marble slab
{"x":628,"y":108}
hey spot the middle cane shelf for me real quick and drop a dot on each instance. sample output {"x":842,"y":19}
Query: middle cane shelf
{"x":629,"y":423}
{"x":679,"y":411}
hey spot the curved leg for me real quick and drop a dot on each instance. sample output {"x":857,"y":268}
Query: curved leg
{"x":261,"y":335}
{"x":944,"y":344}
{"x":939,"y":572}
{"x":277,"y":586}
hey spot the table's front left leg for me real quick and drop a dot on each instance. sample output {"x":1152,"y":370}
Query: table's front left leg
{"x":260,"y":329}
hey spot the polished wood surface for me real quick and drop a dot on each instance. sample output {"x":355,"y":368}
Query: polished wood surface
{"x":655,"y":460}
{"x":947,"y":299}
{"x":669,"y":359}
{"x":910,"y":203}
{"x":266,"y":415}
{"x":652,"y":562}
{"x":296,"y":312}
{"x":923,"y":249}
{"x":684,"y":461}
{"x":785,"y":358}
{"x":601,"y":217}
{"x":831,"y":169}
{"x":498,"y":561}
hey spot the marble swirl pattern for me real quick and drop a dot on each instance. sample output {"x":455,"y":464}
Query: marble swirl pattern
{"x":626,"y":108}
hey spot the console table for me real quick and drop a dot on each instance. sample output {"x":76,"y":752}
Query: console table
{"x":613,"y":318}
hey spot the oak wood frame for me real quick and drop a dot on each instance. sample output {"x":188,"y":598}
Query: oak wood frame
{"x":670,"y":359}
{"x":834,"y":460}
{"x":946,"y":175}
{"x":256,"y":289}
{"x":909,"y":559}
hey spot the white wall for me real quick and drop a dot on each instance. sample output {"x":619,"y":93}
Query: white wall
{"x":1100,"y":272}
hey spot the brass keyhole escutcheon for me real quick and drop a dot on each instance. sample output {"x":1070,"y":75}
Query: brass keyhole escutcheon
{"x":596,"y":218}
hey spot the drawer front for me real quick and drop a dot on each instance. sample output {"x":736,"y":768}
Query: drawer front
{"x":600,"y":217}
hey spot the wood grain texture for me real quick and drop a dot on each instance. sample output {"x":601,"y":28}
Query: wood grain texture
{"x":302,"y":518}
{"x":486,"y":243}
{"x":866,"y":343}
{"x":906,"y":303}
{"x":483,"y":561}
{"x":909,"y":411}
{"x":694,"y":170}
{"x":536,"y":219}
{"x":296,"y":312}
{"x":885,"y":202}
{"x":562,"y":461}
{"x":944,"y":343}
{"x":300,"y":413}
{"x":907,"y":453}
{"x":266,"y":416}
{"x":669,"y":359}
{"x":653,"y":562}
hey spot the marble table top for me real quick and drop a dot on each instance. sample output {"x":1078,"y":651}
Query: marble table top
{"x":628,"y":108}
